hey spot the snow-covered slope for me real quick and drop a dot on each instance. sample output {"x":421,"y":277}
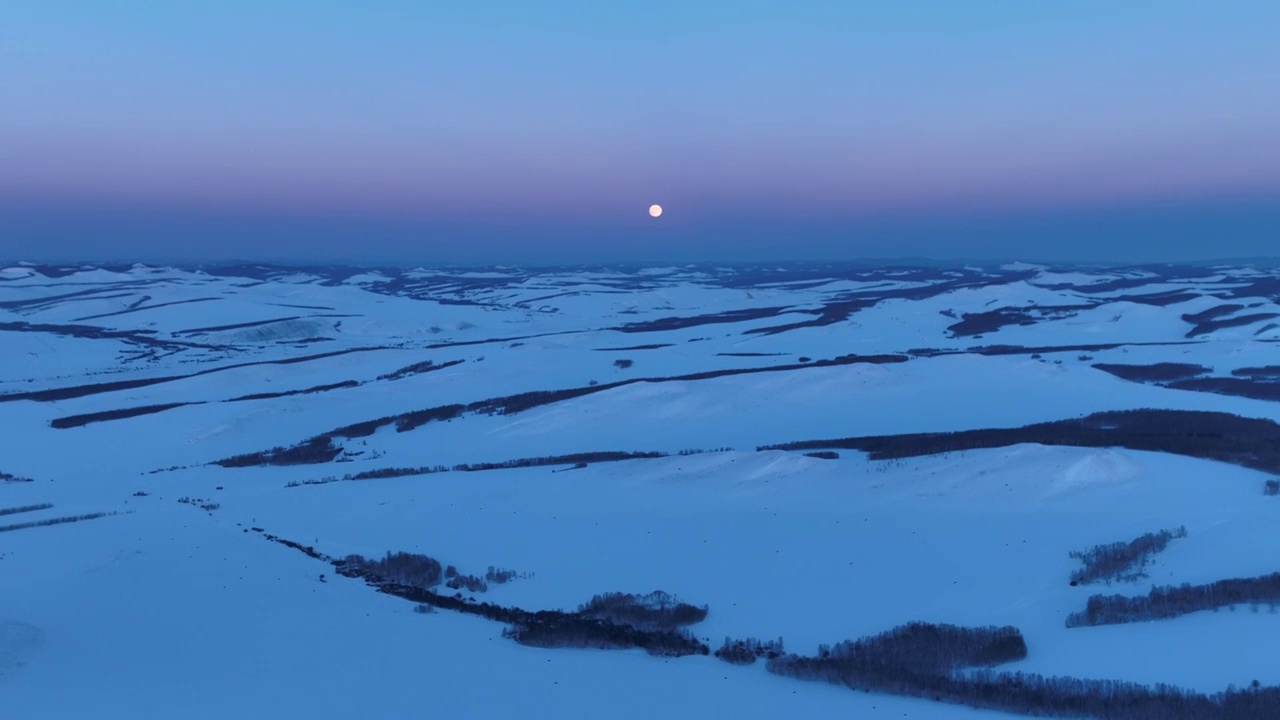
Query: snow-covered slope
{"x":121,"y":388}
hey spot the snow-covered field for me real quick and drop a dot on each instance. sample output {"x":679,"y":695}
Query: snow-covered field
{"x":165,"y":609}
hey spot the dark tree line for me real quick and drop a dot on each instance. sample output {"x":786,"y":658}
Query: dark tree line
{"x":587,"y":457}
{"x":320,"y":449}
{"x":952,"y":664}
{"x":1171,"y":601}
{"x":1155,"y":372}
{"x":306,"y":391}
{"x":578,"y":460}
{"x":316,"y":450}
{"x":54,"y":521}
{"x":411,"y":576}
{"x":9,"y":477}
{"x":418,"y":368}
{"x":25,"y":509}
{"x":944,"y":663}
{"x":73,"y":421}
{"x":1122,"y":560}
{"x":1248,"y":442}
{"x":655,"y":611}
{"x":747,"y":651}
{"x":824,"y":455}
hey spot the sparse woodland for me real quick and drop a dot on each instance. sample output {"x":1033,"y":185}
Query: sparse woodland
{"x":1122,"y":561}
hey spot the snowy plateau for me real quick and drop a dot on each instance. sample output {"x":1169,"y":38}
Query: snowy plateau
{"x":817,"y":453}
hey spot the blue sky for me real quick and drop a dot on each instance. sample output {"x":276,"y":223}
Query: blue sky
{"x":526,"y":131}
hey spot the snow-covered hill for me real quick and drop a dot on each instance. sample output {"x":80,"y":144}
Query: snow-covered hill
{"x":189,"y":413}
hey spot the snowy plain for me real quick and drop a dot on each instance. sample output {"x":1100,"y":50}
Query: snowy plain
{"x":165,"y":609}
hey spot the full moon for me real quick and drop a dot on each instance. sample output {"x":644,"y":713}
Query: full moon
{"x":655,"y":210}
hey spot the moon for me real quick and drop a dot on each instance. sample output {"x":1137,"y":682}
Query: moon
{"x":655,"y":210}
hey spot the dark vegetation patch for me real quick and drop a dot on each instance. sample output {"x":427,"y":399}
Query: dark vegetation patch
{"x":654,"y":346}
{"x":1122,"y":561}
{"x":140,"y":308}
{"x":1266,"y":372}
{"x":623,"y":363}
{"x":654,"y":611}
{"x":1210,"y":326}
{"x":887,"y":664}
{"x":573,"y":458}
{"x":9,"y":477}
{"x":500,"y":576}
{"x":1211,"y":314}
{"x":411,"y":577}
{"x":680,"y":323}
{"x":25,"y":509}
{"x":577,"y":460}
{"x":391,"y":472}
{"x":98,"y":293}
{"x":470,"y":583}
{"x":315,"y":450}
{"x":824,"y":455}
{"x":1254,"y":383}
{"x":54,"y":521}
{"x":289,"y":393}
{"x":401,"y":568}
{"x":73,"y":421}
{"x":1248,"y":442}
{"x":998,"y":350}
{"x":78,"y":391}
{"x":419,"y":368}
{"x":1236,"y":387}
{"x":1155,"y":372}
{"x":321,"y":449}
{"x":93,"y":332}
{"x":842,"y":309}
{"x":1271,"y":488}
{"x":746,"y":652}
{"x":1171,"y":601}
{"x":991,"y":321}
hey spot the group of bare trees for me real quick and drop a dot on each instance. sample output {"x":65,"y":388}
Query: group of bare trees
{"x":747,"y":651}
{"x":1122,"y":560}
{"x":953,"y":664}
{"x":1171,"y":601}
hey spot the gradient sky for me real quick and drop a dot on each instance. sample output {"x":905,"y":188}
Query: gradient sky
{"x":541,"y":130}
